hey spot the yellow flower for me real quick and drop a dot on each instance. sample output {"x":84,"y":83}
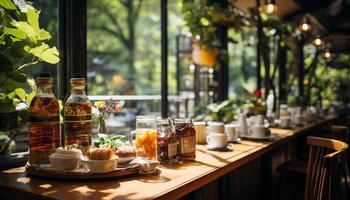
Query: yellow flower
{"x":100,"y":104}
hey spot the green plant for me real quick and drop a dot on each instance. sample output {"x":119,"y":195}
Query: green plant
{"x":224,"y":111}
{"x":22,"y":45}
{"x":204,"y":19}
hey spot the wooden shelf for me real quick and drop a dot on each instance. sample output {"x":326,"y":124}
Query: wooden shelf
{"x":174,"y":181}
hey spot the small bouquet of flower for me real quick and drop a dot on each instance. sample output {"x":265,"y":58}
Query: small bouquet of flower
{"x":254,"y":102}
{"x":105,"y":107}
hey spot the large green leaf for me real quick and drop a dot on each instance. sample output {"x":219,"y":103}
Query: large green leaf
{"x":43,"y":52}
{"x":5,"y":64}
{"x":7,"y":4}
{"x":44,"y":35}
{"x":33,"y":18}
{"x":30,"y":97}
{"x":15,"y":32}
{"x":25,"y":27}
{"x":21,"y":93}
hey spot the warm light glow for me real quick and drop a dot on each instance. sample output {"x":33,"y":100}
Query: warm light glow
{"x":327,"y":54}
{"x":318,"y":41}
{"x":269,"y":8}
{"x":305,"y":27}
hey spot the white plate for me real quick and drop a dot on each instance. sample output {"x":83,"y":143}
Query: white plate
{"x":227,"y":148}
{"x":268,"y":137}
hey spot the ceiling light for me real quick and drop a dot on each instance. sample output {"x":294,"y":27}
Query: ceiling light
{"x":269,"y":7}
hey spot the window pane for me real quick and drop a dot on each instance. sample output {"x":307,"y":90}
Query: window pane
{"x":123,"y":47}
{"x":242,"y":62}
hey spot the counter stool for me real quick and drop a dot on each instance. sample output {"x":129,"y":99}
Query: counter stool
{"x":293,"y":173}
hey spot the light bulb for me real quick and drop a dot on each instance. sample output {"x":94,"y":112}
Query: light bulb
{"x":327,"y":54}
{"x":318,"y":41}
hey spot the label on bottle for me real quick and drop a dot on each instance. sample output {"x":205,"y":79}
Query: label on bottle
{"x":187,"y":144}
{"x":44,"y":119}
{"x":172,"y":149}
{"x":78,"y":118}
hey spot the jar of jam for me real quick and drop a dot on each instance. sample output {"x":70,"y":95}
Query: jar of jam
{"x":146,"y":136}
{"x":186,"y":136}
{"x":166,"y":141}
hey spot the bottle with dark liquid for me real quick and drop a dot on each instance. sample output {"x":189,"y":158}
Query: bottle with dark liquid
{"x":78,"y":116}
{"x":166,"y":141}
{"x":44,"y":127}
{"x":186,"y":136}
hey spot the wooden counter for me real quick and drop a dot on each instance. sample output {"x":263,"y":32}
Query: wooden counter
{"x":173,"y":182}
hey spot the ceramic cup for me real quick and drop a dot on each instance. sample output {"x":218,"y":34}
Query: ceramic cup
{"x":216,"y":127}
{"x":298,"y":120}
{"x":232,"y":132}
{"x":201,"y":132}
{"x":258,"y":131}
{"x":285,"y":122}
{"x":217,"y":140}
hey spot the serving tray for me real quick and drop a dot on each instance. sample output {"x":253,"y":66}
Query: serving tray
{"x":78,"y":174}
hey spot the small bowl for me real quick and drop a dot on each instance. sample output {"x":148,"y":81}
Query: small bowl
{"x":65,"y":163}
{"x":100,"y":166}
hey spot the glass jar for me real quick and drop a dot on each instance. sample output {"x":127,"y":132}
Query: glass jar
{"x":78,"y":116}
{"x":186,"y":137}
{"x":284,"y":111}
{"x":146,"y":137}
{"x":166,"y":141}
{"x":44,"y":122}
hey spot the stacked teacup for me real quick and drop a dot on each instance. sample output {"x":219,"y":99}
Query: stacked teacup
{"x":216,"y":136}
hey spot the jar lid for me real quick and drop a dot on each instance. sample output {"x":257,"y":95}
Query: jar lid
{"x":44,"y":81}
{"x":77,"y":82}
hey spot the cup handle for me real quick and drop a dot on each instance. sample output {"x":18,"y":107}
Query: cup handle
{"x":208,"y":139}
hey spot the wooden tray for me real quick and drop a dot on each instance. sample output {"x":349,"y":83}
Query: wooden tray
{"x":79,"y":175}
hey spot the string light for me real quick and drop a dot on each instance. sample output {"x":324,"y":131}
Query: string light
{"x":305,"y":26}
{"x":327,"y":54}
{"x":269,"y":7}
{"x":318,"y":41}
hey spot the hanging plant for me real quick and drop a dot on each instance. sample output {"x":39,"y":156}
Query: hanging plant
{"x":204,"y":19}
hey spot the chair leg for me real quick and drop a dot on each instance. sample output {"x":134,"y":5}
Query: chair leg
{"x":346,"y":180}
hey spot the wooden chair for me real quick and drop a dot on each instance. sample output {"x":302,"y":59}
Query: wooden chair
{"x":293,"y":172}
{"x":324,"y":165}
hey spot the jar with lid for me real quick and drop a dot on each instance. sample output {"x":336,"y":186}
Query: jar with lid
{"x":186,"y":136}
{"x":44,"y":122}
{"x":78,"y":116}
{"x":146,"y":136}
{"x":166,"y":141}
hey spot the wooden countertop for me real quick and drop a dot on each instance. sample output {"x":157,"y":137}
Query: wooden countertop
{"x":173,"y":182}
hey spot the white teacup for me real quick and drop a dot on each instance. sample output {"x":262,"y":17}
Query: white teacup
{"x":217,"y":140}
{"x":258,"y":131}
{"x":216,"y":127}
{"x":285,"y":122}
{"x":232,"y":132}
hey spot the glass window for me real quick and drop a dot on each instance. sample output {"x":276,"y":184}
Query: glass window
{"x":242,"y":62}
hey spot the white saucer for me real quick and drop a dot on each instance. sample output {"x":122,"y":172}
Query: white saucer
{"x":227,"y":148}
{"x":267,"y":137}
{"x":237,"y":140}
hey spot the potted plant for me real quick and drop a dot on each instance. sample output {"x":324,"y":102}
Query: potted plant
{"x":22,"y":45}
{"x":203,"y":19}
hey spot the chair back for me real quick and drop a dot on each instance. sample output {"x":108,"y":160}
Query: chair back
{"x":323,"y":168}
{"x":340,"y":133}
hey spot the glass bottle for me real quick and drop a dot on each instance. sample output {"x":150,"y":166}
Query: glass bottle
{"x":166,"y":141}
{"x":146,"y":137}
{"x":78,"y":116}
{"x":44,"y":122}
{"x":186,"y":136}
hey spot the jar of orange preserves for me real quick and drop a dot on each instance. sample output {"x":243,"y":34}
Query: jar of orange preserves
{"x":146,"y":137}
